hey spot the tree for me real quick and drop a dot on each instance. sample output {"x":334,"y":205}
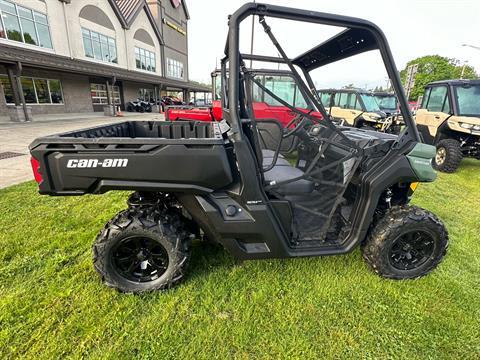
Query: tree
{"x":435,"y":68}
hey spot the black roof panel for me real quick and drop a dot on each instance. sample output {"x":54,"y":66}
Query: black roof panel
{"x":348,"y":43}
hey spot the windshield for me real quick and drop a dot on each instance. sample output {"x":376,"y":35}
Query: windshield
{"x":370,"y":103}
{"x":217,"y":86}
{"x":282,"y":86}
{"x":468,"y":100}
{"x":387,"y":102}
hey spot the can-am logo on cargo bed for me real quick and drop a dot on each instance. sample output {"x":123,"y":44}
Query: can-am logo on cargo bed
{"x":94,"y":163}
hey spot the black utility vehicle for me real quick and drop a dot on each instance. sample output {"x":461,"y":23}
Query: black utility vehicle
{"x":340,"y":187}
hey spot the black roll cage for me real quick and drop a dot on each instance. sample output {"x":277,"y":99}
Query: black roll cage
{"x":360,"y":36}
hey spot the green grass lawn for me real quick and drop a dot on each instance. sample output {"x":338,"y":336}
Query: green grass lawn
{"x":53,"y":305}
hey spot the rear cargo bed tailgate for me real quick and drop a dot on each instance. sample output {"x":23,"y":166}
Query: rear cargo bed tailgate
{"x":157,"y":156}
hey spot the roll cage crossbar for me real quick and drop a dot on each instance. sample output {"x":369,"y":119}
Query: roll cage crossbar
{"x":360,"y":36}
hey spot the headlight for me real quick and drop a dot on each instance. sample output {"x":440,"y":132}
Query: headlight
{"x":466,"y":125}
{"x":476,"y":128}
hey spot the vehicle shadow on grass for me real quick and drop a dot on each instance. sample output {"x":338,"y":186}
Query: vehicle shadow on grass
{"x":206,"y":256}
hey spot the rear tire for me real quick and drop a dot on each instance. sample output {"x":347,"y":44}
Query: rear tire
{"x":406,"y":243}
{"x":157,"y":263}
{"x":449,"y":156}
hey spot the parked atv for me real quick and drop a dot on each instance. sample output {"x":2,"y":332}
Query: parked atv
{"x":139,"y":106}
{"x":449,"y":118}
{"x":343,"y":187}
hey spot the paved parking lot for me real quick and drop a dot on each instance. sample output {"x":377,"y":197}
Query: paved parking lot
{"x":15,"y":138}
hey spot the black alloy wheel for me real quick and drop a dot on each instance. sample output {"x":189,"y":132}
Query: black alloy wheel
{"x":140,"y":259}
{"x":411,"y":250}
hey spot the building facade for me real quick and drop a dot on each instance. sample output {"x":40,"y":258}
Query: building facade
{"x":70,"y":56}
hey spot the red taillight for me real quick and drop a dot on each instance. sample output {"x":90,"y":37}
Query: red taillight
{"x":36,"y":170}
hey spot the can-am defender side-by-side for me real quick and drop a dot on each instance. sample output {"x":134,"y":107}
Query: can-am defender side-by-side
{"x":449,"y":118}
{"x":347,"y":187}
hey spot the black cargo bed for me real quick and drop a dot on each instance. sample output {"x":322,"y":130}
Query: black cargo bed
{"x":137,"y":155}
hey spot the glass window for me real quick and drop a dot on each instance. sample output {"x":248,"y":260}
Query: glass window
{"x":100,"y":96}
{"x":137,"y":58}
{"x":87,"y":45}
{"x":342,"y":101}
{"x":468,"y":99}
{"x":7,"y":6}
{"x":2,"y":30}
{"x":12,"y":26}
{"x":358,"y":105}
{"x":437,"y":98}
{"x":112,"y":48}
{"x":336,"y":99}
{"x":28,"y":90}
{"x":99,"y":47}
{"x":55,"y":91}
{"x":25,"y":13}
{"x":425,"y":98}
{"x":387,"y":102}
{"x":145,"y":60}
{"x":29,"y":33}
{"x":146,"y":95}
{"x":174,"y":69}
{"x":370,"y":103}
{"x":40,"y":18}
{"x":41,"y":88}
{"x":325,"y":98}
{"x":351,"y":101}
{"x":7,"y":89}
{"x":19,"y":23}
{"x":35,"y":90}
{"x":282,"y":86}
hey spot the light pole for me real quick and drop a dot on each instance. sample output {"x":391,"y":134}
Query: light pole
{"x":472,"y":46}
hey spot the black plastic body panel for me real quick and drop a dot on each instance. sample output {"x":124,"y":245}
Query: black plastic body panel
{"x":155,"y":156}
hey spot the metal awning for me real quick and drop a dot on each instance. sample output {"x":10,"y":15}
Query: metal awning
{"x":49,"y":61}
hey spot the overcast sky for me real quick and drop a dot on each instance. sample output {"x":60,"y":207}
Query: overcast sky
{"x":413,"y":29}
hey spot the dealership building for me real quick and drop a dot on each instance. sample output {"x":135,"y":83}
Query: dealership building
{"x":71,"y":56}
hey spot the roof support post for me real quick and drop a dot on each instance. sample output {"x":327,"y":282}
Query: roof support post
{"x":20,"y":91}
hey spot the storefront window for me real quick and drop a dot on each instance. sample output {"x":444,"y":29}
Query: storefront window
{"x":55,"y":91}
{"x":7,"y":89}
{"x":147,"y":95}
{"x":22,"y":24}
{"x":100,"y":96}
{"x":99,"y":47}
{"x":35,"y":90}
{"x":41,"y":86}
{"x":28,"y":90}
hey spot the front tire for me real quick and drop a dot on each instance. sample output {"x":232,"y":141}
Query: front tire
{"x":448,"y":157}
{"x":406,"y":243}
{"x":142,"y":249}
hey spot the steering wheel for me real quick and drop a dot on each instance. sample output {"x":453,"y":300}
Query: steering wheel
{"x":298,"y":122}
